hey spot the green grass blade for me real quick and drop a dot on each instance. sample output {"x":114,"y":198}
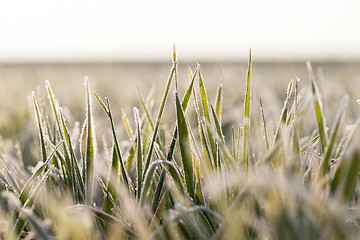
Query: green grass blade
{"x":108,"y":218}
{"x":264,"y":125}
{"x":206,"y":145}
{"x":127,"y":126}
{"x":325,"y":165}
{"x":246,"y":122}
{"x":74,"y":163}
{"x":217,"y":124}
{"x":318,"y":109}
{"x":284,"y":112}
{"x":221,"y":145}
{"x":351,"y":178}
{"x":186,"y":98}
{"x":158,"y":212}
{"x":55,"y":111}
{"x":237,"y":156}
{"x":150,"y":173}
{"x":184,"y":143}
{"x":117,"y":147}
{"x":205,"y":107}
{"x":204,"y":99}
{"x":144,"y":107}
{"x":114,"y":174}
{"x":39,"y":228}
{"x":21,"y":214}
{"x":159,"y":188}
{"x":89,"y":148}
{"x":184,"y":105}
{"x":25,"y":196}
{"x":218,"y":102}
{"x":107,"y":110}
{"x":157,"y":124}
{"x":138,"y":152}
{"x":38,"y":120}
{"x":26,"y":189}
{"x":233,"y":142}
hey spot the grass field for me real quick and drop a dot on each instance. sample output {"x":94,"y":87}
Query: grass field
{"x":217,"y":151}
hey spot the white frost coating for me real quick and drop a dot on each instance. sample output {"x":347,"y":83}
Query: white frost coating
{"x":137,"y":116}
{"x":37,"y":113}
{"x":48,"y":87}
{"x":75,"y":134}
{"x":358,"y":101}
{"x":51,"y":96}
{"x":82,"y":143}
{"x":89,"y":113}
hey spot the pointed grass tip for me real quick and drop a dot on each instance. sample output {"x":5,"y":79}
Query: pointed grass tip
{"x":174,"y":53}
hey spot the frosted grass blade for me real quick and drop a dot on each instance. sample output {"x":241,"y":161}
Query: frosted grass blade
{"x":205,"y":108}
{"x":89,"y":148}
{"x":218,"y":102}
{"x":107,"y":110}
{"x":264,"y":125}
{"x":38,"y":119}
{"x":325,"y":165}
{"x":184,"y":144}
{"x":144,"y":107}
{"x":217,"y":124}
{"x":157,"y":124}
{"x":74,"y":164}
{"x":110,"y":194}
{"x":351,"y":178}
{"x":159,"y":188}
{"x":139,"y":156}
{"x":149,"y":176}
{"x":187,"y":95}
{"x":246,"y":120}
{"x":284,"y":112}
{"x":25,"y":196}
{"x":318,"y":108}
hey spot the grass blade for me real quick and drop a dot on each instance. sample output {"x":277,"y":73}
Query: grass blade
{"x":203,"y":97}
{"x":218,"y":102}
{"x":325,"y":165}
{"x":89,"y":148}
{"x":351,"y":177}
{"x":187,"y":95}
{"x":318,"y":109}
{"x":110,"y":193}
{"x":184,"y":143}
{"x":205,"y":107}
{"x":138,"y":151}
{"x":161,"y":109}
{"x":264,"y":125}
{"x":67,"y":171}
{"x":74,"y":164}
{"x":217,"y":124}
{"x":246,"y":122}
{"x":144,"y":107}
{"x":158,"y":190}
{"x":25,"y":196}
{"x":149,"y":175}
{"x":284,"y":111}
{"x":107,"y":110}
{"x":38,"y":120}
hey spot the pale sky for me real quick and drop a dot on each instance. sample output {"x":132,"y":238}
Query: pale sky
{"x":84,"y":30}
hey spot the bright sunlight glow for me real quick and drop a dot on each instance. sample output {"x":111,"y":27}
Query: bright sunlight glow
{"x":48,"y":30}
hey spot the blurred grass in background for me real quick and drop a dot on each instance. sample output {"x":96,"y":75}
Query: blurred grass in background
{"x":119,"y":80}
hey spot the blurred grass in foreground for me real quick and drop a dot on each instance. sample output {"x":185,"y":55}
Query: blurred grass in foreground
{"x":171,"y":163}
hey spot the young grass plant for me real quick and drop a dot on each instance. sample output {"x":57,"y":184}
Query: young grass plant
{"x":158,"y":183}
